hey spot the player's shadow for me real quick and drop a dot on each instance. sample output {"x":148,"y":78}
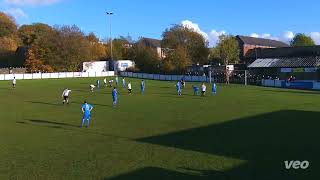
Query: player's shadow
{"x":45,"y":103}
{"x":64,"y":126}
{"x":265,"y":141}
{"x":50,"y":122}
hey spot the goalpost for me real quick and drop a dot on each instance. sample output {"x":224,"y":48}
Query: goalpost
{"x":234,"y":77}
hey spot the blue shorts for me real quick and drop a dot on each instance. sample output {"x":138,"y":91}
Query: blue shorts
{"x":86,"y":116}
{"x":114,"y":99}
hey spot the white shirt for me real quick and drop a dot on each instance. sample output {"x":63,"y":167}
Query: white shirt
{"x":111,"y":81}
{"x":92,"y":86}
{"x":14,"y":81}
{"x":204,"y":87}
{"x":129,"y":86}
{"x":66,"y":92}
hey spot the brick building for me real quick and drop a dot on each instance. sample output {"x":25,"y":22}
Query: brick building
{"x":250,"y":43}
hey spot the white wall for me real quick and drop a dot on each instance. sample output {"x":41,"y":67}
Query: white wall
{"x":122,"y":65}
{"x":57,"y":75}
{"x":96,"y":66}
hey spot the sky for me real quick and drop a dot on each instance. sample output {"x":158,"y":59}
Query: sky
{"x":272,"y":19}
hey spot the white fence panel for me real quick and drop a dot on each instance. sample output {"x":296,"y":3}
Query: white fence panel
{"x":77,"y":74}
{"x":188,"y":78}
{"x":203,"y":78}
{"x":84,"y":74}
{"x":156,"y":76}
{"x":27,"y":76}
{"x":316,"y":85}
{"x":8,"y":76}
{"x":150,"y":76}
{"x":179,"y":77}
{"x":130,"y":74}
{"x":91,"y":74}
{"x":18,"y":76}
{"x":139,"y":75}
{"x":145,"y":76}
{"x":2,"y":77}
{"x":69,"y":75}
{"x":36,"y":76}
{"x":174,"y":78}
{"x":46,"y":75}
{"x":268,"y":82}
{"x":278,"y":83}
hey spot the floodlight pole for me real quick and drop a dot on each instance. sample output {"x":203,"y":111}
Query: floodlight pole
{"x":111,"y":48}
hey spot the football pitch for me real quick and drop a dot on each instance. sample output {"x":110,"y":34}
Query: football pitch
{"x":244,"y":132}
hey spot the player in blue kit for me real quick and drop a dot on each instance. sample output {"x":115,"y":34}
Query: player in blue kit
{"x":86,"y":110}
{"x":178,"y":86}
{"x":142,"y":87}
{"x":114,"y":96}
{"x":195,"y":90}
{"x":214,"y":89}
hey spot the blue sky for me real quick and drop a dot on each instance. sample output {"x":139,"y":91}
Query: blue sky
{"x":274,"y":19}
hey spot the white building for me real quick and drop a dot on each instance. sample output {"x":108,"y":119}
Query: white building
{"x":95,"y":66}
{"x":122,"y":65}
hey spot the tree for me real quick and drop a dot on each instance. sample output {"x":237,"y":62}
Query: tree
{"x":8,"y":27}
{"x":30,"y":33}
{"x":194,"y":43}
{"x":97,"y":50}
{"x":302,"y":40}
{"x":120,"y":49}
{"x":8,"y":40}
{"x":64,"y":49}
{"x":8,"y":46}
{"x":145,"y":58}
{"x":177,"y":61}
{"x":227,"y":50}
{"x":33,"y":64}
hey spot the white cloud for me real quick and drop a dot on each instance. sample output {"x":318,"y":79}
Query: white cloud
{"x":195,"y":27}
{"x":16,"y":13}
{"x":265,"y":36}
{"x":30,"y":2}
{"x":316,"y":37}
{"x":212,"y":37}
{"x":287,"y":36}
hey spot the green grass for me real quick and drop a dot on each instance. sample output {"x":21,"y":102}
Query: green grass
{"x":242,"y":133}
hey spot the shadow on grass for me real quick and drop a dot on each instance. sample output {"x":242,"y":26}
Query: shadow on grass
{"x":45,"y":103}
{"x":72,"y":127}
{"x":292,"y":91}
{"x":50,"y":122}
{"x":264,"y":141}
{"x":71,"y":102}
{"x":155,"y":173}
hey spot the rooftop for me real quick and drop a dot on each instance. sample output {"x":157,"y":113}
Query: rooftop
{"x":261,"y":41}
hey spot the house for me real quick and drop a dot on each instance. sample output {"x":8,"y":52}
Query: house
{"x":247,"y":43}
{"x":154,"y":44}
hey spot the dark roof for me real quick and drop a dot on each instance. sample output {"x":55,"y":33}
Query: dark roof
{"x":293,"y":62}
{"x":154,"y":43}
{"x":261,"y":41}
{"x":304,"y":51}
